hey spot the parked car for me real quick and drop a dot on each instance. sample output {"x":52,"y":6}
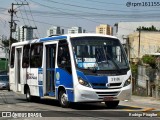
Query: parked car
{"x":4,"y":82}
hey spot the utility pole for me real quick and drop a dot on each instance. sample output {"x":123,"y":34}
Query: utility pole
{"x":27,"y":27}
{"x":12,"y":11}
{"x":139,"y":44}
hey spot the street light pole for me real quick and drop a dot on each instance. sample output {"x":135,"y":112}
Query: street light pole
{"x":139,"y":44}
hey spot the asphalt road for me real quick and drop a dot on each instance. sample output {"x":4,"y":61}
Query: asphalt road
{"x":47,"y":109}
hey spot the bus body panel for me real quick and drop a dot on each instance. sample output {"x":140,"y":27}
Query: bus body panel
{"x":32,"y":81}
{"x":86,"y":94}
{"x":12,"y":79}
{"x":63,"y":78}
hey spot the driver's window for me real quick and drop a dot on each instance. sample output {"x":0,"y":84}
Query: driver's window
{"x":64,"y":56}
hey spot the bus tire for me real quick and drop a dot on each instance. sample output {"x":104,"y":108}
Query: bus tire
{"x":28,"y":95}
{"x":63,"y":99}
{"x":112,"y":104}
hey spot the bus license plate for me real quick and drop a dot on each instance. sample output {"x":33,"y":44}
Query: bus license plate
{"x":108,"y":99}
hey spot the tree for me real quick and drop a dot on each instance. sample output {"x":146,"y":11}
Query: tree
{"x":6,"y":42}
{"x":152,"y":28}
{"x":149,"y":59}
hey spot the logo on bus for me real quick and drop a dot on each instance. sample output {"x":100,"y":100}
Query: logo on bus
{"x":107,"y":85}
{"x":57,"y":76}
{"x":31,"y":76}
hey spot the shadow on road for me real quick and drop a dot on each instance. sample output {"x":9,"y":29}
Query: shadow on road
{"x":13,"y":98}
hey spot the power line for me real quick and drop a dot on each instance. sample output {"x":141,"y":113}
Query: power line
{"x":104,"y":2}
{"x":64,"y":12}
{"x":21,"y":14}
{"x":33,"y":20}
{"x":91,"y":8}
{"x":26,"y":13}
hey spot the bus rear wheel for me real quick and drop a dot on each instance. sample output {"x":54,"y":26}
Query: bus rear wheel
{"x":63,"y":99}
{"x":28,"y":95}
{"x":112,"y":104}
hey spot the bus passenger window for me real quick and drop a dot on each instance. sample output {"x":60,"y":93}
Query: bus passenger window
{"x":36,"y":55}
{"x":26,"y":56}
{"x":12,"y":57}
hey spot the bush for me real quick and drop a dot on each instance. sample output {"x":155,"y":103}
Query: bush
{"x":149,"y":59}
{"x":134,"y":69}
{"x":3,"y":65}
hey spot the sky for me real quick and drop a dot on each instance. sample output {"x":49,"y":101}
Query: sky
{"x":83,"y":13}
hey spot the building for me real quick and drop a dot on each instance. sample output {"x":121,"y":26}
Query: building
{"x":24,"y":33}
{"x":104,"y":29}
{"x":74,"y":30}
{"x":123,"y":29}
{"x":55,"y":30}
{"x":149,"y":43}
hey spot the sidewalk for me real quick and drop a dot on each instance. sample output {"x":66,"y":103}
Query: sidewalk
{"x":142,"y":99}
{"x":142,"y":103}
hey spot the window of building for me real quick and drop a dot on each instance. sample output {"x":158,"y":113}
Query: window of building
{"x":51,"y":32}
{"x":36,"y":55}
{"x":12,"y":57}
{"x":26,"y":56}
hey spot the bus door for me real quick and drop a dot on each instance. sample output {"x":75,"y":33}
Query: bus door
{"x":18,"y":68}
{"x":50,"y":68}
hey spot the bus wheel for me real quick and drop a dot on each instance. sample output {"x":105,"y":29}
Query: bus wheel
{"x":28,"y":95}
{"x":63,"y":99}
{"x":112,"y":104}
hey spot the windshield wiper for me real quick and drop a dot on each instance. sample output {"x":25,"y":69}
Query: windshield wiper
{"x":114,"y":62}
{"x":108,"y":55}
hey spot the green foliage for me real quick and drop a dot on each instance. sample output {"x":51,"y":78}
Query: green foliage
{"x":149,"y":59}
{"x":6,"y":42}
{"x":134,"y":69}
{"x":3,"y":65}
{"x":152,"y":28}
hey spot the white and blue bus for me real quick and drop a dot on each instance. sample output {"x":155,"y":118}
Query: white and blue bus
{"x":71,"y":68}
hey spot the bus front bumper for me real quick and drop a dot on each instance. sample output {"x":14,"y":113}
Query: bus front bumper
{"x":86,"y":94}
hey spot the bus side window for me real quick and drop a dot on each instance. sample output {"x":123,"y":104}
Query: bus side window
{"x":26,"y":56}
{"x":36,"y":55}
{"x":64,"y":56}
{"x":12,"y":57}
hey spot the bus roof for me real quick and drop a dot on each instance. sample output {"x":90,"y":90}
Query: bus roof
{"x":61,"y":37}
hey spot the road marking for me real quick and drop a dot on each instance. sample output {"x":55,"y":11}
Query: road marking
{"x":137,"y":108}
{"x":148,"y":109}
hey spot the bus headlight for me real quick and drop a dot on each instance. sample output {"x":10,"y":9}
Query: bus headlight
{"x":83,"y":82}
{"x":127,"y":82}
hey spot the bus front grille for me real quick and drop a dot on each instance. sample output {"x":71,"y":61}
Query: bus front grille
{"x":103,"y":86}
{"x":101,"y":95}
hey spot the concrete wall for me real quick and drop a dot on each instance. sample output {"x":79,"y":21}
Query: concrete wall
{"x":149,"y":43}
{"x":145,"y":84}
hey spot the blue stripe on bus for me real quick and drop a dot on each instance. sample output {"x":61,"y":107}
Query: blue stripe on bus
{"x":41,"y":91}
{"x":95,"y":81}
{"x":40,"y":82}
{"x":52,"y":38}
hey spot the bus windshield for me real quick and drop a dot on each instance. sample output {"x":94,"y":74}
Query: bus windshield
{"x":100,"y":53}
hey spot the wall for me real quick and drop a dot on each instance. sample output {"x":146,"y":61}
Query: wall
{"x":149,"y":43}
